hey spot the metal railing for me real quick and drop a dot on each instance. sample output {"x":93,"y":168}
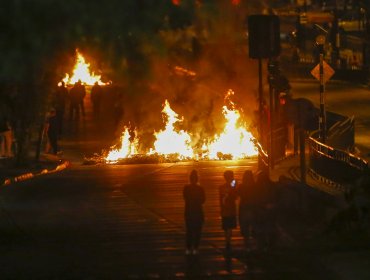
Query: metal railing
{"x":336,"y":154}
{"x":336,"y":165}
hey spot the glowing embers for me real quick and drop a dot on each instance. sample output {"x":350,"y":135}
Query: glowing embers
{"x":82,"y":72}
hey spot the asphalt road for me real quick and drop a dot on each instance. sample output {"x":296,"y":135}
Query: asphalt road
{"x":343,"y":98}
{"x":108,"y":221}
{"x":126,"y":222}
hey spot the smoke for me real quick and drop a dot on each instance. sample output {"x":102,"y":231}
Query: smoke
{"x":209,"y":66}
{"x":198,"y":99}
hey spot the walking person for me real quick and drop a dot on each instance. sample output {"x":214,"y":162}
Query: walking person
{"x":228,"y":196}
{"x":51,"y":130}
{"x":194,"y":198}
{"x":247,"y":207}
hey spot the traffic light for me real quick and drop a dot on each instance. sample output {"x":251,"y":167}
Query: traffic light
{"x":273,"y":67}
{"x":264,"y":36}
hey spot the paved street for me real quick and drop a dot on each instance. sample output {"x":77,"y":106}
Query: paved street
{"x":103,"y":221}
{"x":69,"y":215}
{"x":125,"y":222}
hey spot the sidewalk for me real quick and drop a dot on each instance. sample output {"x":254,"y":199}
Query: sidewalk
{"x":323,"y":228}
{"x":80,"y":139}
{"x":10,"y":173}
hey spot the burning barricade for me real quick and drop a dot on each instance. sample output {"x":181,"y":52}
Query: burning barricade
{"x":173,"y":145}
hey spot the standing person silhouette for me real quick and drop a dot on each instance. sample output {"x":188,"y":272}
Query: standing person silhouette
{"x":266,"y":213}
{"x":75,"y":99}
{"x":228,"y":195}
{"x":61,"y":96}
{"x":247,"y":206}
{"x":6,"y":137}
{"x":96,"y":96}
{"x":194,"y":198}
{"x":51,"y":130}
{"x":81,"y":95}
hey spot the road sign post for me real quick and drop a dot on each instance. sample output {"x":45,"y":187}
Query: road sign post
{"x":264,"y":42}
{"x":322,"y":123}
{"x":323,"y":72}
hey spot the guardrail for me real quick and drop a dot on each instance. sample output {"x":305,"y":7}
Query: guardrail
{"x":338,"y":166}
{"x":341,"y":134}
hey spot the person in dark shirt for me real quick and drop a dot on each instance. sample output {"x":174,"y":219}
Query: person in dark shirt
{"x":81,"y":96}
{"x":266,"y":211}
{"x":75,"y":99}
{"x":228,"y":196}
{"x":51,"y":130}
{"x":247,"y":206}
{"x":96,"y":96}
{"x":194,"y":198}
{"x":61,"y":96}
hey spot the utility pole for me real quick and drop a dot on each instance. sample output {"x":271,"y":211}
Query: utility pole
{"x":260,"y":112}
{"x":335,"y":39}
{"x":272,"y":65}
{"x":320,"y":41}
{"x":264,"y":42}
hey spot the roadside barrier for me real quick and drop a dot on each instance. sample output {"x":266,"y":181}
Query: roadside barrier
{"x":334,"y":166}
{"x":29,"y":175}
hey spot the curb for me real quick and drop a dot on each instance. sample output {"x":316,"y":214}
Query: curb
{"x":30,"y":175}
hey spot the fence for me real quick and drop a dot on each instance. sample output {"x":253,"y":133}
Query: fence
{"x":334,"y":165}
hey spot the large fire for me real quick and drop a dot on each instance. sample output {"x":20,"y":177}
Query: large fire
{"x":170,"y":141}
{"x":127,"y":147}
{"x":235,"y":141}
{"x":81,"y":71}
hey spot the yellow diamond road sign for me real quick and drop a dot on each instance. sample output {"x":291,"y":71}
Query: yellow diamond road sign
{"x":328,"y":72}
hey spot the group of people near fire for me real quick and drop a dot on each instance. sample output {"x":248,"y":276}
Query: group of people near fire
{"x":75,"y":99}
{"x":250,"y":203}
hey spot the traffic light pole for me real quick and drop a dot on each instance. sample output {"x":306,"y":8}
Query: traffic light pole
{"x":260,"y":112}
{"x":271,"y":92}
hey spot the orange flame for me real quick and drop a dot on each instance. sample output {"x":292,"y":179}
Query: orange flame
{"x":170,"y":141}
{"x":127,"y":147}
{"x":235,"y":140}
{"x":81,"y":72}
